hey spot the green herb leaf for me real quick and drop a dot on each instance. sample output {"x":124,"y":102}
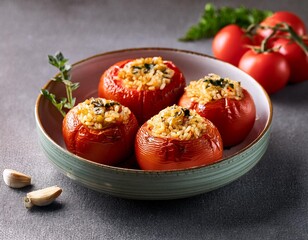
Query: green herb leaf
{"x":74,"y":86}
{"x":186,"y":112}
{"x":53,"y":61}
{"x":213,"y":19}
{"x":52,"y":98}
{"x":60,"y":62}
{"x":71,"y":104}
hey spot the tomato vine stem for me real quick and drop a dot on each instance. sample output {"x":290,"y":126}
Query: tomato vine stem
{"x":279,"y":27}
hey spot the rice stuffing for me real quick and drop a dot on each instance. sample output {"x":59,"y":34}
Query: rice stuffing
{"x":177,"y":123}
{"x":99,"y":113}
{"x":146,"y":74}
{"x":213,"y":87}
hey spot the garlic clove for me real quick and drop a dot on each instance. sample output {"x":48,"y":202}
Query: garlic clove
{"x":42,"y":197}
{"x":15,"y":179}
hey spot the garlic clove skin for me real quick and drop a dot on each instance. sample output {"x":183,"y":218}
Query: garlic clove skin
{"x":42,"y":197}
{"x":15,"y":179}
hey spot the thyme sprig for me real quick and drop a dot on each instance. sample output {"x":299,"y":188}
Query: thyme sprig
{"x":61,"y":63}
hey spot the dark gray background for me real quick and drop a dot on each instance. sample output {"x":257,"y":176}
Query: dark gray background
{"x":270,"y":202}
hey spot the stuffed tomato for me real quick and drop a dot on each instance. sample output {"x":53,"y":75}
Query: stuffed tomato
{"x":100,"y":130}
{"x":177,"y":138}
{"x":144,"y":85}
{"x":225,"y":103}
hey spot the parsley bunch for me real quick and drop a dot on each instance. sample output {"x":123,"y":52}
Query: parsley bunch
{"x":213,"y":19}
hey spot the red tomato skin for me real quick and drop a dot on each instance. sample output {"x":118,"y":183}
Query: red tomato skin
{"x":270,"y":69}
{"x":283,"y":16}
{"x":233,"y":118}
{"x":155,"y":153}
{"x":257,"y":40}
{"x":100,"y":146}
{"x":296,"y":57}
{"x":230,"y":43}
{"x":144,"y":104}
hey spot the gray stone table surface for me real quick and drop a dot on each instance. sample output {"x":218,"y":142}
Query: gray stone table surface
{"x":269,"y":202}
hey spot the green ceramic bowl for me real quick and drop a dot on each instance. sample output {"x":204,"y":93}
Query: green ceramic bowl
{"x":139,"y":184}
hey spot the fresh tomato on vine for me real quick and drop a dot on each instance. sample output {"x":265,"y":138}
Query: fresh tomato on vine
{"x":286,"y":17}
{"x":296,"y":57}
{"x":269,"y":68}
{"x":230,"y":43}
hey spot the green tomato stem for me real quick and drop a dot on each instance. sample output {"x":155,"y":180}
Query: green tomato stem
{"x":282,"y":27}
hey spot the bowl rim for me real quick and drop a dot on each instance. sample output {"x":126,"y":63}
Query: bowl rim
{"x":140,"y":171}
